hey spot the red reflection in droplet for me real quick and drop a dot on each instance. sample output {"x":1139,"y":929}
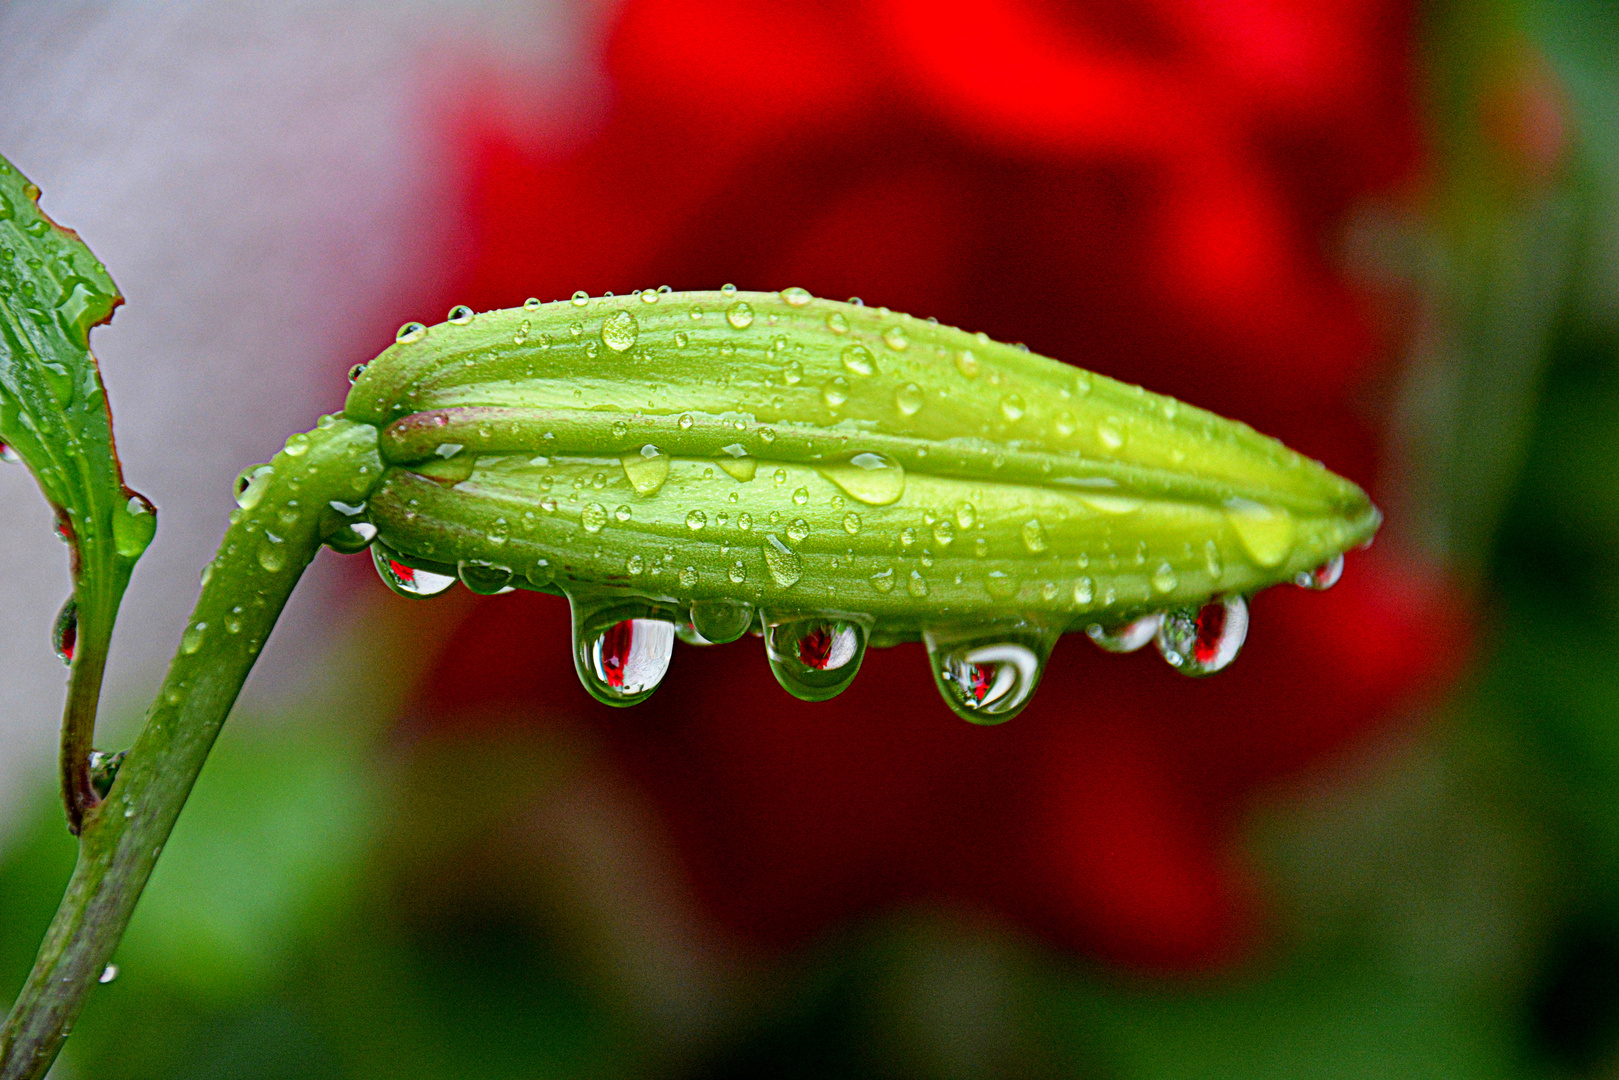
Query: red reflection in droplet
{"x":815,"y":648}
{"x":404,"y":573}
{"x":1211,"y":624}
{"x":616,"y":645}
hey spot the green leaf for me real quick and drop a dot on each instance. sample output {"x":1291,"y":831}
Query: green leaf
{"x":54,"y":416}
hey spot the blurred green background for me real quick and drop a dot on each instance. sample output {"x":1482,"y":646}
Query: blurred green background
{"x":337,"y":903}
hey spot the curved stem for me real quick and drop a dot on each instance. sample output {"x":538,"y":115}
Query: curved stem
{"x":263,"y":554}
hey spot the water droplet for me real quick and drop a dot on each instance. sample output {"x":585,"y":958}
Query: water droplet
{"x":1012,"y":406}
{"x":648,"y":468}
{"x":836,"y":323}
{"x":460,"y":314}
{"x":688,"y":577}
{"x":1083,"y":591}
{"x":744,"y":521}
{"x":696,"y":520}
{"x":783,"y":563}
{"x":297,"y":445}
{"x":721,"y":621}
{"x":1202,"y":640}
{"x":580,"y":298}
{"x":967,"y":363}
{"x":835,"y":392}
{"x":988,"y":674}
{"x":1212,"y":561}
{"x":851,"y":523}
{"x":484,"y":578}
{"x":593,"y":517}
{"x":1034,"y":536}
{"x":9,"y":456}
{"x":407,"y":580}
{"x":1109,"y":436}
{"x":355,"y":372}
{"x":917,"y":585}
{"x":191,"y":640}
{"x":410,"y":332}
{"x":635,"y":564}
{"x":531,"y":304}
{"x":649,"y":296}
{"x":1266,"y":532}
{"x":874,"y":479}
{"x":797,"y":530}
{"x":858,"y":359}
{"x":796,"y":297}
{"x":621,"y":650}
{"x":727,"y":290}
{"x":1164,"y":579}
{"x":272,"y":555}
{"x":250,"y":485}
{"x":133,"y":525}
{"x":619,"y":331}
{"x":894,"y":337}
{"x":108,"y":974}
{"x":65,"y":631}
{"x":908,"y":399}
{"x":1000,"y":585}
{"x":814,"y":657}
{"x":1322,"y":577}
{"x":1126,"y":637}
{"x":738,"y":464}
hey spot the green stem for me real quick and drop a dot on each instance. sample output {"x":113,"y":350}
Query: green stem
{"x":263,"y":554}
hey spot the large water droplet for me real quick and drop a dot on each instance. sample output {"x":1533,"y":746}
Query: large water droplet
{"x":988,"y":674}
{"x":1322,"y":577}
{"x":485,"y":578}
{"x":134,"y":524}
{"x":1125,"y":637}
{"x":720,"y":621}
{"x":407,"y":580}
{"x":1201,"y":641}
{"x":814,"y":657}
{"x":65,"y":631}
{"x":619,"y":331}
{"x":783,"y":563}
{"x":1266,"y":532}
{"x":874,"y":479}
{"x":646,"y":469}
{"x":621,"y":650}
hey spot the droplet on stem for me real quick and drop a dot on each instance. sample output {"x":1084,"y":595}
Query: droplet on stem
{"x":407,"y":580}
{"x":65,"y":631}
{"x":721,"y":621}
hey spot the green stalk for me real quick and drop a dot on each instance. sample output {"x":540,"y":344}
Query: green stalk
{"x":260,"y":560}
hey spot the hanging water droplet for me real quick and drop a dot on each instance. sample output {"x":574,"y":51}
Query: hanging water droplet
{"x":1126,"y":637}
{"x":192,"y":638}
{"x":1266,"y":532}
{"x":1202,"y":640}
{"x":814,"y":657}
{"x":740,"y":314}
{"x":858,"y":359}
{"x":410,"y":332}
{"x":1322,"y":577}
{"x":460,"y":314}
{"x":721,"y":621}
{"x":104,"y":770}
{"x":1034,"y":536}
{"x":593,"y":517}
{"x":619,"y":331}
{"x":407,"y":580}
{"x":908,"y":399}
{"x":484,"y":578}
{"x":835,"y":391}
{"x":621,"y":649}
{"x":988,"y":674}
{"x":250,"y":485}
{"x":796,"y":297}
{"x":688,"y":577}
{"x":648,"y":468}
{"x":917,"y":585}
{"x":65,"y":631}
{"x":783,"y":563}
{"x":874,"y":479}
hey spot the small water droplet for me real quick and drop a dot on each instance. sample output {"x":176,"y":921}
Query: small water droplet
{"x":908,"y":399}
{"x":460,"y":314}
{"x":133,"y":525}
{"x":917,"y":585}
{"x":1212,"y":561}
{"x":727,"y":290}
{"x":191,"y":640}
{"x":894,"y":337}
{"x":1266,"y":532}
{"x":1164,"y":579}
{"x":1012,"y":406}
{"x":814,"y":657}
{"x":988,"y":674}
{"x":593,"y":517}
{"x":65,"y":631}
{"x":737,"y":463}
{"x":858,"y":359}
{"x":531,"y":304}
{"x":355,"y":372}
{"x":1322,"y":577}
{"x":874,"y":479}
{"x":619,"y":331}
{"x":250,"y":485}
{"x":783,"y":563}
{"x":410,"y":332}
{"x":851,"y":523}
{"x":797,"y":530}
{"x":621,"y":649}
{"x":688,"y":577}
{"x":635,"y":564}
{"x":9,"y":456}
{"x":1084,"y":591}
{"x":720,"y":621}
{"x":1202,"y":640}
{"x":580,"y":298}
{"x":407,"y":580}
{"x":836,"y":323}
{"x":648,"y":468}
{"x":1034,"y":536}
{"x":696,"y":520}
{"x":796,"y":297}
{"x":108,"y":974}
{"x":835,"y":392}
{"x":1109,"y":436}
{"x":484,"y":578}
{"x":1126,"y":637}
